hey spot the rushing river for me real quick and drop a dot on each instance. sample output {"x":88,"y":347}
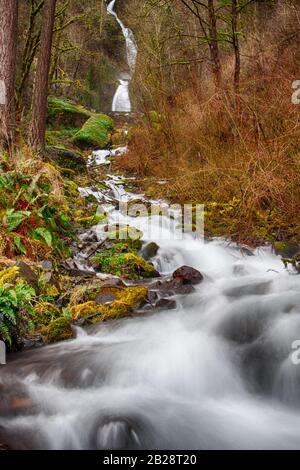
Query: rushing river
{"x":216,"y":373}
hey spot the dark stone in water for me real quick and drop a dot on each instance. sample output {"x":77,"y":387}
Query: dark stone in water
{"x":166,"y":304}
{"x":152,"y":297}
{"x":114,"y":282}
{"x":188,"y":275}
{"x":170,"y":286}
{"x":149,"y":251}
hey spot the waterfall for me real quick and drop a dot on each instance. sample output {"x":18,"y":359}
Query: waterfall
{"x":121,"y":101}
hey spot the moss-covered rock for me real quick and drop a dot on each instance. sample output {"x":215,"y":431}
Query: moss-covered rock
{"x":89,"y":221}
{"x":122,"y":259}
{"x":122,"y":302}
{"x":95,"y":133}
{"x":66,"y":113}
{"x":149,"y":250}
{"x":58,"y":330}
{"x":66,"y":159}
{"x":44,"y":313}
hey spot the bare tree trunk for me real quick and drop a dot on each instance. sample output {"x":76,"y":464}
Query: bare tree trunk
{"x":41,"y":83}
{"x":237,"y":56}
{"x":213,"y":44}
{"x":8,"y":39}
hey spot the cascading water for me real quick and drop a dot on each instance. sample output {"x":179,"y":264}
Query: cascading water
{"x":121,"y":101}
{"x":216,"y":373}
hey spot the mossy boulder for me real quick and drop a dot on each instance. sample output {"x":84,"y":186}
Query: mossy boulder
{"x":44,"y":313}
{"x":128,"y":265}
{"x":90,"y":220}
{"x":286,"y":249}
{"x":95,"y":133}
{"x":122,"y":302}
{"x":149,"y":250}
{"x":58,"y":330}
{"x":66,"y":158}
{"x":66,"y":113}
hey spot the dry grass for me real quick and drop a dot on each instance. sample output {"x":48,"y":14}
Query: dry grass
{"x":210,"y":153}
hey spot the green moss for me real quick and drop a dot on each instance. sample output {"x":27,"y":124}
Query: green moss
{"x":90,"y":221}
{"x":58,"y":330}
{"x":60,"y":138}
{"x":66,"y":159}
{"x":281,"y":247}
{"x":44,"y":313}
{"x":95,"y":133}
{"x":119,"y":262}
{"x":66,"y":113}
{"x":127,"y":299}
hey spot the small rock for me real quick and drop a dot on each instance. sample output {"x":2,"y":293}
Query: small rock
{"x":152,"y":296}
{"x":104,"y":298}
{"x":114,"y":282}
{"x":166,"y":304}
{"x":81,"y":273}
{"x":27,"y":273}
{"x":188,"y":275}
{"x":47,"y":265}
{"x":149,"y":251}
{"x":170,"y":287}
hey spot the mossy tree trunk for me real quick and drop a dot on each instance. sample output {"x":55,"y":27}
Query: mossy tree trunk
{"x":41,"y":83}
{"x":8,"y":36}
{"x":31,"y":45}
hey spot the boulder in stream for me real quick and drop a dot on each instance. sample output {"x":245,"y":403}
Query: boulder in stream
{"x":187,"y":275}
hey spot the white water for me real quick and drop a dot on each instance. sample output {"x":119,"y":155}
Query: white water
{"x":216,"y":373}
{"x":121,"y":101}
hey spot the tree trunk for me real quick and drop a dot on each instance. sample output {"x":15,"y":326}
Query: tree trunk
{"x":41,"y":83}
{"x":8,"y":39}
{"x":213,"y":44}
{"x":237,"y":56}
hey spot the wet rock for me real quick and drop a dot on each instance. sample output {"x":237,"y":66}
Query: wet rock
{"x":89,"y":237}
{"x":14,"y":399}
{"x":58,"y":330}
{"x":149,"y":251}
{"x":169,"y":287}
{"x":166,"y":304}
{"x":125,"y":302}
{"x":105,"y":297}
{"x":81,"y":273}
{"x":3,"y":447}
{"x":152,"y":297}
{"x":114,"y":282}
{"x":187,"y":275}
{"x":286,"y":249}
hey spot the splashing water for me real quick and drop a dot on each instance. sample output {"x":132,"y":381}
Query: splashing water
{"x":214,"y":374}
{"x":121,"y":101}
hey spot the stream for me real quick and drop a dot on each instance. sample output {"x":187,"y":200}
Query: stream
{"x":216,"y":373}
